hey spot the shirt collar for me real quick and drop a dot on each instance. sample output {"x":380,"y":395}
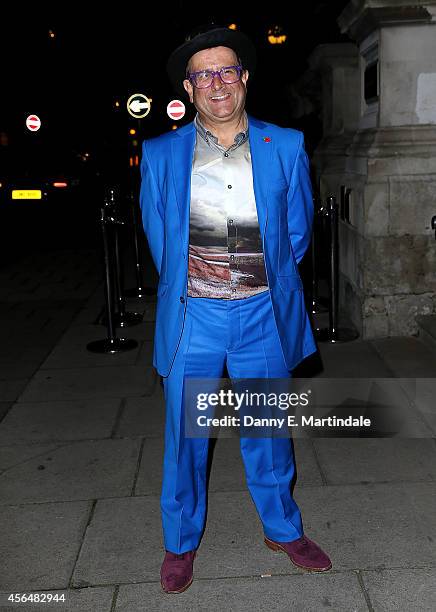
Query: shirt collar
{"x":211,"y":139}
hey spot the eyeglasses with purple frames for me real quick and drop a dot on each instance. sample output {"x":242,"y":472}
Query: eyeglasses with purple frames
{"x":204,"y":78}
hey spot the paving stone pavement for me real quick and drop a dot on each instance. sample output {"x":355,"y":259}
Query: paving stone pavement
{"x":81,"y":461}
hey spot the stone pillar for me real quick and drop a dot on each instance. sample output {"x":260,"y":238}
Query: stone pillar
{"x":387,"y":249}
{"x":337,"y":68}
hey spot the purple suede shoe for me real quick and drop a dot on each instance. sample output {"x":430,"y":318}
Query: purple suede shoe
{"x":176,"y":573}
{"x":304,"y":553}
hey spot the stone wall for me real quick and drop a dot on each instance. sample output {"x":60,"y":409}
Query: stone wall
{"x":387,"y":248}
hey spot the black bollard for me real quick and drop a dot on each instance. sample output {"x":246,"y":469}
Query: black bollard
{"x":433,"y":225}
{"x":317,"y":305}
{"x":139,"y":291}
{"x":111,"y":344}
{"x":121,"y":317}
{"x":334,"y":333}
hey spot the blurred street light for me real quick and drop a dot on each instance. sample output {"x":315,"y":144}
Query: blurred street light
{"x":276,"y":36}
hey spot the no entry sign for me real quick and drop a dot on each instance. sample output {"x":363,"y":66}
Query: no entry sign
{"x":33,"y":123}
{"x":175,"y":109}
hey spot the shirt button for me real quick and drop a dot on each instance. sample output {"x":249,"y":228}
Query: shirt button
{"x":226,"y":154}
{"x":229,"y":186}
{"x":232,"y":257}
{"x":182,"y":299}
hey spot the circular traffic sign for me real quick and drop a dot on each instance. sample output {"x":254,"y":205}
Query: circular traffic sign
{"x":138,"y":105}
{"x":33,"y":123}
{"x":175,"y":109}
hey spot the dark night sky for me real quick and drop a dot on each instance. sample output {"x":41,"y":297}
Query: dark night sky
{"x":72,"y":80}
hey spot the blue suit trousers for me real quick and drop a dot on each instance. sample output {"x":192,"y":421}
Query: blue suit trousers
{"x":242,"y":335}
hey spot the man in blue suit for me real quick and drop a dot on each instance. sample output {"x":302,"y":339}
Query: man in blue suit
{"x":227,"y":210}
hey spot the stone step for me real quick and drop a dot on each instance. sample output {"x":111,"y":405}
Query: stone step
{"x":427,"y":330}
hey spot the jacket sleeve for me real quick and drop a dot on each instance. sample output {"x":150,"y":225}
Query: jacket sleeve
{"x":300,"y":204}
{"x":152,"y":209}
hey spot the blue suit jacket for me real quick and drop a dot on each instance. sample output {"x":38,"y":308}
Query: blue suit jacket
{"x":284,"y":204}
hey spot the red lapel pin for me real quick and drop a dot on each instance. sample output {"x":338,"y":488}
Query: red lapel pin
{"x":266,"y":139}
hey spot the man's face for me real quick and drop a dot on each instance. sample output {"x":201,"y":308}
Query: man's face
{"x":221,"y":102}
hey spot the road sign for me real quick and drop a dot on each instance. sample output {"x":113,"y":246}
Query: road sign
{"x":138,"y":105}
{"x":33,"y":123}
{"x":175,"y":109}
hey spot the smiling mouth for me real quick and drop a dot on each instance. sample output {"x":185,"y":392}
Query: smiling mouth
{"x":220,"y":98}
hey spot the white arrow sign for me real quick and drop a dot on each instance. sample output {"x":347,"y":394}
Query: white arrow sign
{"x":138,"y":105}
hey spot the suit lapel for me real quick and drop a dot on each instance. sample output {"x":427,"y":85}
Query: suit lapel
{"x":261,"y":155}
{"x":182,"y":153}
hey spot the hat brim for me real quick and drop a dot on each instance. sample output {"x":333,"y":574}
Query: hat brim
{"x":219,"y":37}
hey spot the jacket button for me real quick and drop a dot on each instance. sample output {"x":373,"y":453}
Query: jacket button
{"x":182,"y":299}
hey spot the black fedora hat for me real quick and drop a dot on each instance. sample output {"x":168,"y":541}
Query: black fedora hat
{"x":206,"y":37}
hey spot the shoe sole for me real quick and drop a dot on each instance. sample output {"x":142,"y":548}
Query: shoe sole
{"x":186,"y":586}
{"x":277,"y":548}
